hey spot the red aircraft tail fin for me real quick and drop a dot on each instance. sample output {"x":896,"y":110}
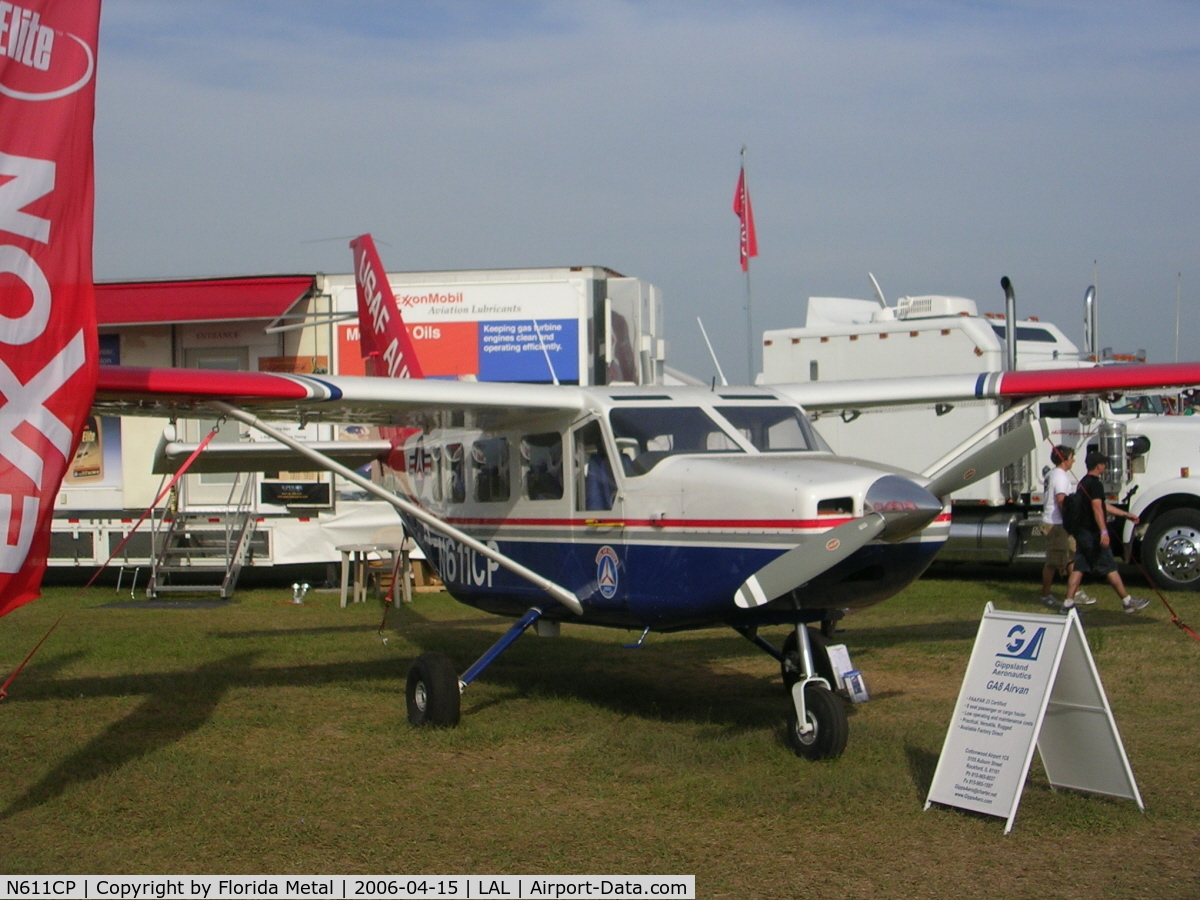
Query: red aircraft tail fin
{"x":386,"y":346}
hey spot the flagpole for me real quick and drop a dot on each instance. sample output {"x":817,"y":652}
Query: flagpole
{"x":749,"y":299}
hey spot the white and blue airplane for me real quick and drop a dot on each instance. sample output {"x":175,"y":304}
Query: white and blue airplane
{"x":650,"y":508}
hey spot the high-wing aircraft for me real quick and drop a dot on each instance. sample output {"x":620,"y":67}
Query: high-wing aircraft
{"x":651,"y":508}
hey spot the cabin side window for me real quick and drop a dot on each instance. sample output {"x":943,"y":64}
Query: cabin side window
{"x":489,"y":462}
{"x":542,"y":466}
{"x":456,"y":482}
{"x":595,"y":486}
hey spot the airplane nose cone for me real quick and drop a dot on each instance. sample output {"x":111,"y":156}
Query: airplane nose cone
{"x":906,"y":507}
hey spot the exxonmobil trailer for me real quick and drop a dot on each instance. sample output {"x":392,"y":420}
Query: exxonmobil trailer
{"x":586,"y":325}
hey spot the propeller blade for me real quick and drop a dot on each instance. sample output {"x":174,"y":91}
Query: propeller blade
{"x":990,"y":458}
{"x":806,"y":562}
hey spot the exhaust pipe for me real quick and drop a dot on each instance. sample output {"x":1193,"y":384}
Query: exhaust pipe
{"x":1091,"y":326}
{"x":1010,"y":326}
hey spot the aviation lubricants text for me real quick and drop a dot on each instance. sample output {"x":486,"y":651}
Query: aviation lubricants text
{"x":24,"y":38}
{"x":475,"y":309}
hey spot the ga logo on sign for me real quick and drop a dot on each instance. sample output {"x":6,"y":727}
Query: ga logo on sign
{"x":1019,"y":647}
{"x":606,"y":571}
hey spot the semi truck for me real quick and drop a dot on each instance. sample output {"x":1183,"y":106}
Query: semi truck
{"x":1152,"y":446}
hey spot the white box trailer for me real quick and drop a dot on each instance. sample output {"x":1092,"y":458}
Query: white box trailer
{"x":997,"y":519}
{"x":594,"y":326}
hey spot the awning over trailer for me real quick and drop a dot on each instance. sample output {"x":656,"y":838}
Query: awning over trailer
{"x":200,"y":300}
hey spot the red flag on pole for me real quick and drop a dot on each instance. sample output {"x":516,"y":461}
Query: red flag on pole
{"x":48,"y":353}
{"x":748,"y":245}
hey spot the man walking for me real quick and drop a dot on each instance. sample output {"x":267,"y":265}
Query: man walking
{"x":1093,"y":544}
{"x":1060,"y":546}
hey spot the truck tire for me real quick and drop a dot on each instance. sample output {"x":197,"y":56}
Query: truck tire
{"x":1171,"y":550}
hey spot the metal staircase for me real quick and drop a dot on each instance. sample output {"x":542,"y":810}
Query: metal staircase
{"x":202,"y":552}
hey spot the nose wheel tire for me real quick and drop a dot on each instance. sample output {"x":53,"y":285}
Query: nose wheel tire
{"x":827,"y":715}
{"x":1171,"y":550}
{"x":432,"y":693}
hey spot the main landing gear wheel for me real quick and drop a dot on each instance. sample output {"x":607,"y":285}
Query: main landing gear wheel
{"x":791,"y":650}
{"x":432,"y":693}
{"x":1171,"y":550}
{"x":827,"y":715}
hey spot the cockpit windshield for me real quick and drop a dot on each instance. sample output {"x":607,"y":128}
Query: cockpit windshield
{"x":647,"y":435}
{"x":773,"y":429}
{"x":1138,"y":405}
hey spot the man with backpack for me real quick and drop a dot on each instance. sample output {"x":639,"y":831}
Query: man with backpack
{"x":1093,"y":546}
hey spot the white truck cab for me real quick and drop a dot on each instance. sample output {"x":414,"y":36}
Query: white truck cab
{"x":1154,"y":452}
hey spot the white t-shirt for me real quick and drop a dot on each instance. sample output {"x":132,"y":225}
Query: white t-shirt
{"x":1057,"y":482}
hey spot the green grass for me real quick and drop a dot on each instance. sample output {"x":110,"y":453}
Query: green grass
{"x":269,"y":737}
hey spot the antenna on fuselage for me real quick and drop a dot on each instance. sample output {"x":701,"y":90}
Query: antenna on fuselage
{"x":878,"y":291}
{"x":546,"y":353}
{"x":724,"y":383}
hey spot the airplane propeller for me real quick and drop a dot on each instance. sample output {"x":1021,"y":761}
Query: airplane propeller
{"x":895,"y":508}
{"x":966,"y":470}
{"x":807,"y":561}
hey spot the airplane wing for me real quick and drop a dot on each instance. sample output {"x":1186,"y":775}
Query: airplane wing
{"x":126,"y":391}
{"x":818,"y":396}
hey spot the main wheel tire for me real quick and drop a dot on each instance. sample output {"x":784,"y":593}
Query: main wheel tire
{"x":432,"y":693}
{"x":791,"y":650}
{"x":827,"y":715}
{"x":1171,"y":550}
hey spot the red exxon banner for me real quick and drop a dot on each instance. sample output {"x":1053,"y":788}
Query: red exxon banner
{"x":48,"y":354}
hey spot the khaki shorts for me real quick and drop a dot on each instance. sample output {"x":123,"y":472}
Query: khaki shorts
{"x":1060,"y":547}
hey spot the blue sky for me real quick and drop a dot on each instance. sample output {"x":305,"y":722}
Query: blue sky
{"x":938,"y":145}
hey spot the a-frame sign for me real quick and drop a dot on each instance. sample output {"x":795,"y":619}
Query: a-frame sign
{"x":1031,"y":682}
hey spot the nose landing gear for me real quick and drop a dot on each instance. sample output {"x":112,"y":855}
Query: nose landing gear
{"x":817,"y":727}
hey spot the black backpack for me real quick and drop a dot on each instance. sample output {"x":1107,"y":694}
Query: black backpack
{"x":1076,"y":508}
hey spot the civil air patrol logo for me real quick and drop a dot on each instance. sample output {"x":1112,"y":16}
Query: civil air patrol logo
{"x":606,"y":571}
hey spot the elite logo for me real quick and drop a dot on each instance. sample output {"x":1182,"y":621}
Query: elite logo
{"x":1020,"y":647}
{"x":45,"y":68}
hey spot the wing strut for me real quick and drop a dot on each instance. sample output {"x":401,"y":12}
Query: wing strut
{"x":559,"y":593}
